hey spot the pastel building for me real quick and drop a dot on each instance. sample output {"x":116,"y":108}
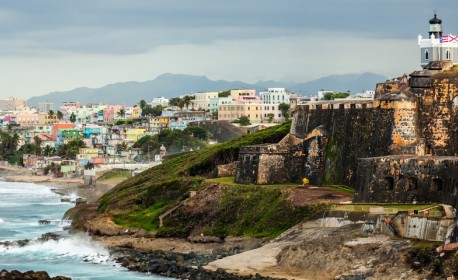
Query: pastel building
{"x":275,"y":96}
{"x":134,"y":134}
{"x":245,"y":96}
{"x":157,"y":124}
{"x":231,"y":112}
{"x":46,"y":119}
{"x":215,"y":102}
{"x":26,"y":119}
{"x":110,"y":112}
{"x":202,"y":100}
{"x":133,"y":112}
{"x":273,"y":109}
{"x":58,"y":126}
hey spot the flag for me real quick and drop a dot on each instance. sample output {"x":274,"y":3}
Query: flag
{"x":449,"y":39}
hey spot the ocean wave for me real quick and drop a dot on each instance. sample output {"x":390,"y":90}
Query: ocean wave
{"x":1,"y":221}
{"x":77,"y":246}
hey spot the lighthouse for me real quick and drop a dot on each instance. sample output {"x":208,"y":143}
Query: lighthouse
{"x":437,"y":46}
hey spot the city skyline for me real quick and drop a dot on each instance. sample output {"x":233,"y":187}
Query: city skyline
{"x":55,"y":46}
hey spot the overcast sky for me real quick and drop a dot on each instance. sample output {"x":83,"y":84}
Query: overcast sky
{"x":55,"y":45}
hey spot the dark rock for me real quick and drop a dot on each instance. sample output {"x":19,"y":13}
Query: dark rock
{"x":29,"y":275}
{"x":174,"y":265}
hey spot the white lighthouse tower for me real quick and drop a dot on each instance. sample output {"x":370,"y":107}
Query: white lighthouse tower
{"x":437,"y":46}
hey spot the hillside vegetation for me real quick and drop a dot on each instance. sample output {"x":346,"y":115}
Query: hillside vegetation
{"x":137,"y":202}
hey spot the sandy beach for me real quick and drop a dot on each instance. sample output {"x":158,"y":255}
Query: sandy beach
{"x":63,"y":185}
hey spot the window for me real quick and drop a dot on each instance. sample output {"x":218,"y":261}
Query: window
{"x":426,"y":55}
{"x":447,"y":54}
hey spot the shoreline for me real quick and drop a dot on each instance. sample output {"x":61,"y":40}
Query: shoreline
{"x":127,"y":244}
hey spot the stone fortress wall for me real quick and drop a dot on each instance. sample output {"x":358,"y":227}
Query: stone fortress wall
{"x":378,"y":146}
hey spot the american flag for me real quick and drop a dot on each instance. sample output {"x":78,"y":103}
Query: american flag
{"x":448,"y":39}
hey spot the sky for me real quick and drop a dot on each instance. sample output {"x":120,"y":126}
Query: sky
{"x":55,"y":45}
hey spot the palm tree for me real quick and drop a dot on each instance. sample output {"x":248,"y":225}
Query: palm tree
{"x":48,"y":150}
{"x":51,"y":114}
{"x":37,"y":141}
{"x":143,"y":106}
{"x":187,"y":101}
{"x":121,"y":113}
{"x":73,"y":117}
{"x":60,"y":116}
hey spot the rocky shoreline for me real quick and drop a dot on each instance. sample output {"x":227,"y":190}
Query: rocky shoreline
{"x":151,"y":259}
{"x":29,"y":275}
{"x":176,"y":265}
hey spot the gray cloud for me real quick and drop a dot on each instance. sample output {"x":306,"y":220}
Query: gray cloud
{"x":114,"y":26}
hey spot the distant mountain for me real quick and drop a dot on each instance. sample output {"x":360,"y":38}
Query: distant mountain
{"x":173,"y":85}
{"x":341,"y":83}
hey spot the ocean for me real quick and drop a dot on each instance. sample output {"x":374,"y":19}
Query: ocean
{"x":22,"y":205}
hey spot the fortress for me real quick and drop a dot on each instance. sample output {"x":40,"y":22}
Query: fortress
{"x":401,"y":146}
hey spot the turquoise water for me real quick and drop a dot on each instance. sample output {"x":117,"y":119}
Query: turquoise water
{"x":76,"y":256}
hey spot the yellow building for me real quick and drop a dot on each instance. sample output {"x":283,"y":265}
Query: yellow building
{"x":135,"y":133}
{"x":87,"y":153}
{"x":46,"y":119}
{"x":156,"y":124}
{"x":202,"y":100}
{"x":231,"y":112}
{"x":136,"y":112}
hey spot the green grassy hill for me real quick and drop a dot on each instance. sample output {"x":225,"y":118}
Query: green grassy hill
{"x":139,"y":200}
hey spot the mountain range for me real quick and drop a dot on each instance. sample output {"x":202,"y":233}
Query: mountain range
{"x":173,"y":85}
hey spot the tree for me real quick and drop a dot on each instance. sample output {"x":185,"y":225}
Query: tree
{"x":176,"y":101}
{"x":196,"y":131}
{"x":244,"y":121}
{"x":121,"y":147}
{"x":334,"y":95}
{"x":144,"y":106}
{"x":37,"y":145}
{"x":70,"y":150}
{"x":121,"y":113}
{"x":89,"y":165}
{"x":73,"y":117}
{"x":60,"y":115}
{"x":224,"y":93}
{"x":157,"y":110}
{"x":51,"y":114}
{"x":270,"y":117}
{"x":187,"y":101}
{"x":48,"y":150}
{"x":8,"y":146}
{"x":284,"y":108}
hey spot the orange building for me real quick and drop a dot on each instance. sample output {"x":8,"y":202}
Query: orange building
{"x":57,"y":126}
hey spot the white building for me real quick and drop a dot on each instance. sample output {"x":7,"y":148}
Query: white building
{"x":164,"y":102}
{"x":275,"y":96}
{"x":365,"y":94}
{"x":436,"y":46}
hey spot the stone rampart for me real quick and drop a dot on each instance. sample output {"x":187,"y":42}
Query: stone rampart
{"x":405,"y":179}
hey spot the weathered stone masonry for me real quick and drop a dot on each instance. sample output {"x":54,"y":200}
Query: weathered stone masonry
{"x":410,"y":126}
{"x":408,"y":179}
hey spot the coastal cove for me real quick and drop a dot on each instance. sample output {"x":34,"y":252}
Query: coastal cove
{"x":76,"y":256}
{"x":27,"y":244}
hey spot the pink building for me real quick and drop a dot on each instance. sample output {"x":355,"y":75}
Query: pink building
{"x":110,"y":112}
{"x":245,"y":96}
{"x":27,"y":119}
